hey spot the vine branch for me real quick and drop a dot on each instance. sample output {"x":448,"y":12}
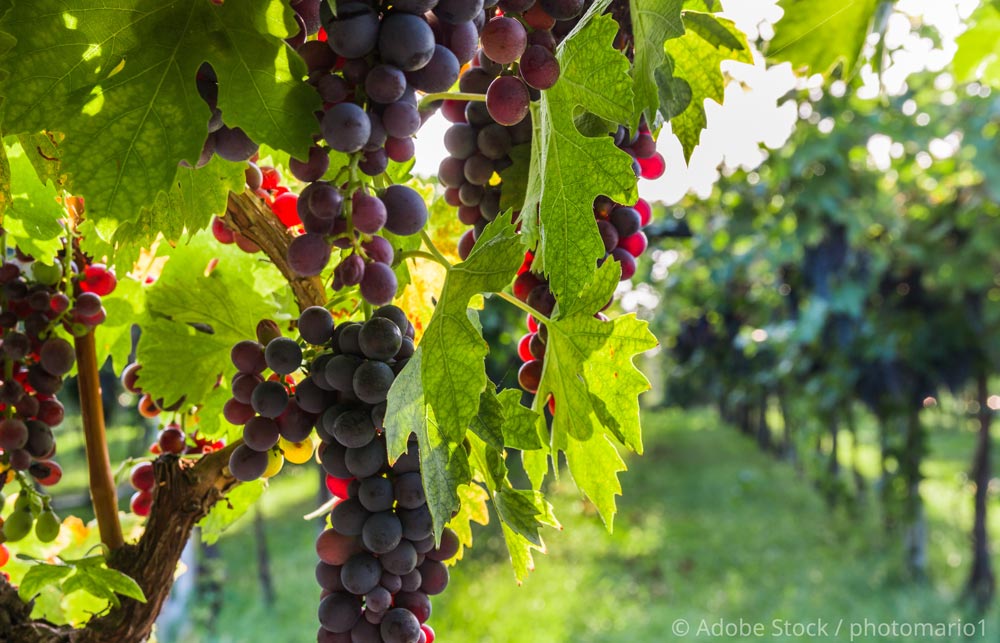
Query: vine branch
{"x":103,"y":492}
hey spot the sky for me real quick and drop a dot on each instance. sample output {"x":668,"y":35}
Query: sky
{"x":752,"y":116}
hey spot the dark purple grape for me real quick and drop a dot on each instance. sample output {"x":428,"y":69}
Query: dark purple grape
{"x":379,"y":284}
{"x":367,"y":460}
{"x":380,"y":338}
{"x":318,"y":56}
{"x":375,"y":494}
{"x":562,"y":9}
{"x":405,"y":41}
{"x":248,"y":356}
{"x":470,"y":194}
{"x":406,"y":211}
{"x":354,"y":428}
{"x":378,"y":249}
{"x":385,"y":84}
{"x":57,"y":355}
{"x":460,"y":140}
{"x":312,"y":169}
{"x":316,"y":325}
{"x":409,"y":490}
{"x":626,"y":220}
{"x":339,"y":611}
{"x":454,"y":12}
{"x":493,"y":141}
{"x":504,"y":39}
{"x":346,"y":127}
{"x":451,"y":172}
{"x":260,"y":433}
{"x":328,"y":577}
{"x":478,"y":169}
{"x":435,"y":577}
{"x":462,"y":40}
{"x":449,"y":547}
{"x":476,"y":81}
{"x":349,"y":516}
{"x":401,"y":119}
{"x":308,"y":254}
{"x":333,"y":89}
{"x":368,"y":213}
{"x":539,"y":67}
{"x":400,"y":625}
{"x":417,"y":523}
{"x":361,"y":573}
{"x":269,"y":399}
{"x":507,"y":100}
{"x":246,"y":464}
{"x":382,"y":533}
{"x":351,"y":270}
{"x":354,"y":30}
{"x":283,"y":355}
{"x":399,"y":149}
{"x":609,"y":235}
{"x":439,"y":74}
{"x":627,"y":261}
{"x":372,"y":381}
{"x":233,"y":144}
{"x":295,"y":424}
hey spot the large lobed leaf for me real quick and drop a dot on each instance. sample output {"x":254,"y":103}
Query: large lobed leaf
{"x":590,"y":373}
{"x":193,"y":319}
{"x":978,"y":55}
{"x":117,"y":78}
{"x":569,"y":170}
{"x":453,"y":370}
{"x":692,"y":73}
{"x":816,"y":35}
{"x":653,"y":23}
{"x":30,"y":208}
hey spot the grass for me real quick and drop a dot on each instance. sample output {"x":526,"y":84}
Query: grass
{"x":708,"y":528}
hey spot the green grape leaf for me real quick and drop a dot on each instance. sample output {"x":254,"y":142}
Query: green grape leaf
{"x":194,"y":197}
{"x":103,"y":582}
{"x":536,"y":465}
{"x":696,"y":58}
{"x":115,"y":581}
{"x":568,"y":170}
{"x":517,"y":508}
{"x":474,"y":509}
{"x":180,"y":360}
{"x":978,"y":55}
{"x":514,"y":185}
{"x":117,"y":78}
{"x":815,"y":35}
{"x":653,"y":23}
{"x":4,"y":180}
{"x":43,"y":151}
{"x":40,"y":576}
{"x":33,"y":209}
{"x":405,"y":408}
{"x":230,"y":509}
{"x":520,"y":553}
{"x":454,"y":370}
{"x":595,"y":465}
{"x":522,"y":427}
{"x":444,"y":466}
{"x":489,"y":420}
{"x":488,"y":461}
{"x":444,"y":463}
{"x":590,"y":373}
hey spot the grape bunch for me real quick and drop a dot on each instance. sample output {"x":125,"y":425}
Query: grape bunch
{"x":36,"y":300}
{"x":510,"y":68}
{"x":378,"y":563}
